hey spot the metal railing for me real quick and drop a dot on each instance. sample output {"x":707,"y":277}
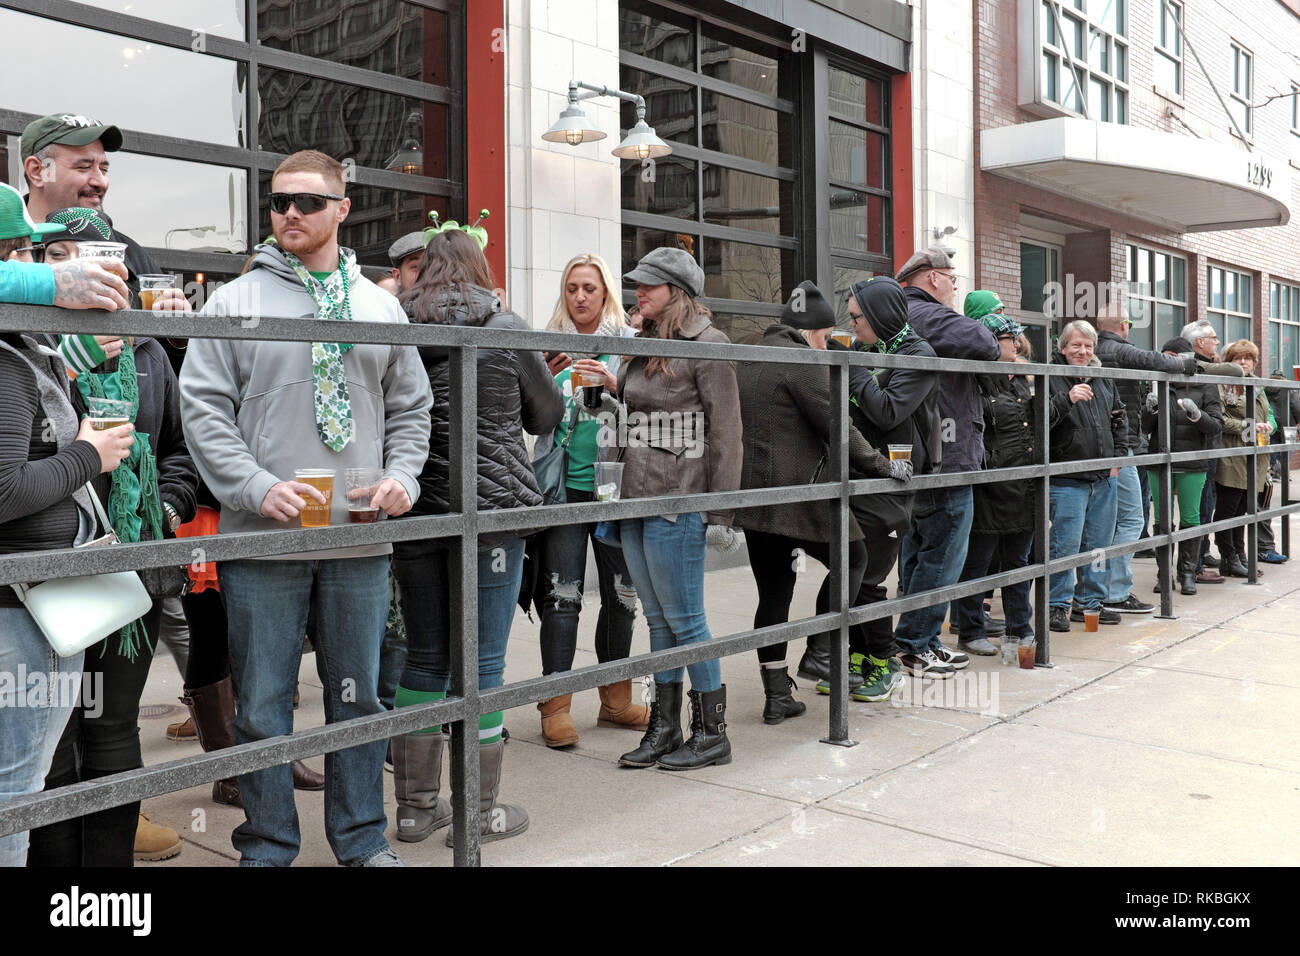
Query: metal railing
{"x":465,"y":702}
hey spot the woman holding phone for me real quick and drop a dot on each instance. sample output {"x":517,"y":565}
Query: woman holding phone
{"x":586,"y":306}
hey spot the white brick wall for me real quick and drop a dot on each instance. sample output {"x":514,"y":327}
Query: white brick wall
{"x":563,"y":200}
{"x":943,"y":127}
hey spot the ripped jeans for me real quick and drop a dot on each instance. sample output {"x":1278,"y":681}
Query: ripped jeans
{"x":561,"y":577}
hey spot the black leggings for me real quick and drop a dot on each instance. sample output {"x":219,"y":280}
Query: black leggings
{"x":1230,"y":503}
{"x":100,"y":739}
{"x":775,"y":563}
{"x":209,"y":661}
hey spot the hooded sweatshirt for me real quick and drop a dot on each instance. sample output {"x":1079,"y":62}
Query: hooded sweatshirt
{"x":248,"y":406}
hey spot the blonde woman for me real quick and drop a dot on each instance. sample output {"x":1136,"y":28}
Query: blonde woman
{"x":588,"y":304}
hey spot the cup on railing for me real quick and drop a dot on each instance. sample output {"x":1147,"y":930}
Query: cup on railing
{"x":151,"y":285}
{"x":315,"y":514}
{"x":361,"y":484}
{"x":900,"y":452}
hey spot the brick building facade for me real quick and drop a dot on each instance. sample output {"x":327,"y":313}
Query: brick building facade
{"x":1142,"y":72}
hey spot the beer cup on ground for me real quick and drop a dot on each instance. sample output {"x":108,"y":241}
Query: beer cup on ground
{"x":1091,"y":619}
{"x":1028,"y":652}
{"x":151,"y":285}
{"x":106,"y":413}
{"x":900,"y":452}
{"x":362,"y":483}
{"x":315,"y":514}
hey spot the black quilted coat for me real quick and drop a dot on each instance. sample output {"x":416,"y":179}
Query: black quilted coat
{"x":516,"y":392}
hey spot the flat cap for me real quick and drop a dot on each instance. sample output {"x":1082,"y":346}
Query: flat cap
{"x":932,"y":258}
{"x":667,"y":266}
{"x":410,"y":243}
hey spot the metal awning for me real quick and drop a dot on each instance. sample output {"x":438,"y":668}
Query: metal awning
{"x":1177,"y":182}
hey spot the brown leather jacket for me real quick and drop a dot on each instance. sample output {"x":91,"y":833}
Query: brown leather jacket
{"x":683,"y":429}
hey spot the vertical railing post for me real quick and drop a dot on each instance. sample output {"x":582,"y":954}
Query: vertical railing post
{"x":1252,"y":494}
{"x":463,"y":565}
{"x":1164,"y":423}
{"x":1042,"y":537}
{"x":838,"y":455}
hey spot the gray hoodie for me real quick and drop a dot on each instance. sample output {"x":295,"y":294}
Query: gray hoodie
{"x":248,"y":406}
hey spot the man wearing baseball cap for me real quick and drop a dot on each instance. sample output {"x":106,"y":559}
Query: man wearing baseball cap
{"x":65,"y":163}
{"x":406,"y":254}
{"x":934,"y":551}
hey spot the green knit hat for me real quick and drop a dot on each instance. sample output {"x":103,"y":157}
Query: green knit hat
{"x":980,"y":303}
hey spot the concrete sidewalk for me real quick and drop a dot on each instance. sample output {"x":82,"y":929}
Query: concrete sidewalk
{"x":1150,"y":743}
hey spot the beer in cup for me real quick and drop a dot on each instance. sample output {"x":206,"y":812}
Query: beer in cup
{"x":315,"y":514}
{"x":843,"y":336}
{"x":106,"y":413}
{"x":900,"y":452}
{"x":151,"y":285}
{"x":362,"y":483}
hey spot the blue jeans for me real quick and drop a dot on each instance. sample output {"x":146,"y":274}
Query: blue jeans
{"x":932,"y":556}
{"x":31,"y":718}
{"x":267,"y":603}
{"x":1129,"y":519}
{"x":1083,"y":518}
{"x":392,"y":652}
{"x":423,"y":573}
{"x":666,"y":561}
{"x":1013,"y":549}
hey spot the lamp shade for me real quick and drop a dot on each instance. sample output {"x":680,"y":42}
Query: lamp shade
{"x":642,"y":143}
{"x":573,"y":127}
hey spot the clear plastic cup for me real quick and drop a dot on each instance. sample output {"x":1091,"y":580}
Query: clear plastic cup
{"x":361,"y":484}
{"x":1028,"y":650}
{"x":1010,"y":652}
{"x":1091,"y":619}
{"x":900,"y":452}
{"x":151,"y":285}
{"x":315,"y":514}
{"x":106,"y":413}
{"x":102,"y":250}
{"x":1290,"y":433}
{"x":609,"y":480}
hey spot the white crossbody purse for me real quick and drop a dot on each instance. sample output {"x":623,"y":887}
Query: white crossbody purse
{"x":74,"y":613}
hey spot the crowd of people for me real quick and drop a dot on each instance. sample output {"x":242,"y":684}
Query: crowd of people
{"x":221,"y":436}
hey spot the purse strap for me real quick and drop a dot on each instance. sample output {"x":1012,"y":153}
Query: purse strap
{"x":99,"y":510}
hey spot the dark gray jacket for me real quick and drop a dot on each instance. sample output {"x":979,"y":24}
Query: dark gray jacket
{"x":1115,"y":352}
{"x":953,"y":335}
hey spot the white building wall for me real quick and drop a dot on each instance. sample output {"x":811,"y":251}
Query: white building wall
{"x":943,"y":137}
{"x":562,"y":200}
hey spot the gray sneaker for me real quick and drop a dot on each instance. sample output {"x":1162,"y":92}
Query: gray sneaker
{"x":979,"y":645}
{"x":385,"y":857}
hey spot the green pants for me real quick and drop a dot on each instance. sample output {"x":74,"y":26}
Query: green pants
{"x":1188,"y":486}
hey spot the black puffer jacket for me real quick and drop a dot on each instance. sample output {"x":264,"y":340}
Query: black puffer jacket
{"x":1201,"y":435}
{"x":1012,"y":439}
{"x":785,"y":419}
{"x":1097,"y":428}
{"x":515,"y":393}
{"x":1115,"y":352}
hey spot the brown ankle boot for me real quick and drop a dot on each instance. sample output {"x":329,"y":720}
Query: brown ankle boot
{"x":557,"y":725}
{"x":212,"y":709}
{"x":617,"y":709}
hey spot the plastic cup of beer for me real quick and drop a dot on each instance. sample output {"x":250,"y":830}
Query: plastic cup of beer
{"x":1291,"y":432}
{"x":843,"y":336}
{"x":362,"y":483}
{"x":1261,"y":439}
{"x":609,"y":480}
{"x":102,"y":250}
{"x":900,"y":452}
{"x":106,"y":413}
{"x":315,"y":514}
{"x":151,"y":285}
{"x":1091,"y":618}
{"x":1028,"y":652}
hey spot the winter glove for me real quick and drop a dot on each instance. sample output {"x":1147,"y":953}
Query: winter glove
{"x":1151,"y":404}
{"x":1230,"y":397}
{"x":901,"y":470}
{"x":1191,"y":367}
{"x":1189,"y":406}
{"x":721,"y":539}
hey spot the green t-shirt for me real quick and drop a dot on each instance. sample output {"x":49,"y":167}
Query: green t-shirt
{"x":583,"y":447}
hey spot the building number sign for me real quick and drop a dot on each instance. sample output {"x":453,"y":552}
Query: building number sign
{"x":1257,"y":174}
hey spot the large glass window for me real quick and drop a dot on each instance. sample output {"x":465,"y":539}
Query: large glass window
{"x":1168,"y":62}
{"x":1076,"y":54}
{"x":382,"y":89}
{"x":1283,"y":326}
{"x":1041,"y":303}
{"x":1228,"y":303}
{"x":1157,"y":296}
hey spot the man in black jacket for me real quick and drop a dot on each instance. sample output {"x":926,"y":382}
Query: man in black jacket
{"x":934,"y":551}
{"x":1114,"y":352}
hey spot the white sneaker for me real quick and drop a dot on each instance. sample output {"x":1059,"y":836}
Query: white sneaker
{"x":954,"y":659}
{"x":385,"y":857}
{"x":926,"y":664}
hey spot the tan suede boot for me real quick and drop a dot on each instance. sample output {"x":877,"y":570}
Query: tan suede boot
{"x":557,"y":725}
{"x":617,"y":709}
{"x":153,"y":842}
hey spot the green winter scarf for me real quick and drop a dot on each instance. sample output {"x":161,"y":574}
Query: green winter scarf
{"x":133,"y":502}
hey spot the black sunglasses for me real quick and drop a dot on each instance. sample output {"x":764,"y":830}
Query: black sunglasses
{"x":307,"y":203}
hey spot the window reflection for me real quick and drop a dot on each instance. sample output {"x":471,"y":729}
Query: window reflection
{"x":723,"y":59}
{"x":153,"y":88}
{"x":658,"y":37}
{"x":223,"y":18}
{"x":858,"y":221}
{"x":746,"y":201}
{"x":733,"y":126}
{"x":741,"y":270}
{"x":856,"y":155}
{"x":637,"y":242}
{"x":670,"y":105}
{"x":671,"y":192}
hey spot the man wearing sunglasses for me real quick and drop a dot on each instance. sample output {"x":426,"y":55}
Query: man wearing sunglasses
{"x":1114,"y":351}
{"x":934,"y":550}
{"x":256,"y":414}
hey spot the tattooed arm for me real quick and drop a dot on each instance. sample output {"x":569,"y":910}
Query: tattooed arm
{"x":90,"y":284}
